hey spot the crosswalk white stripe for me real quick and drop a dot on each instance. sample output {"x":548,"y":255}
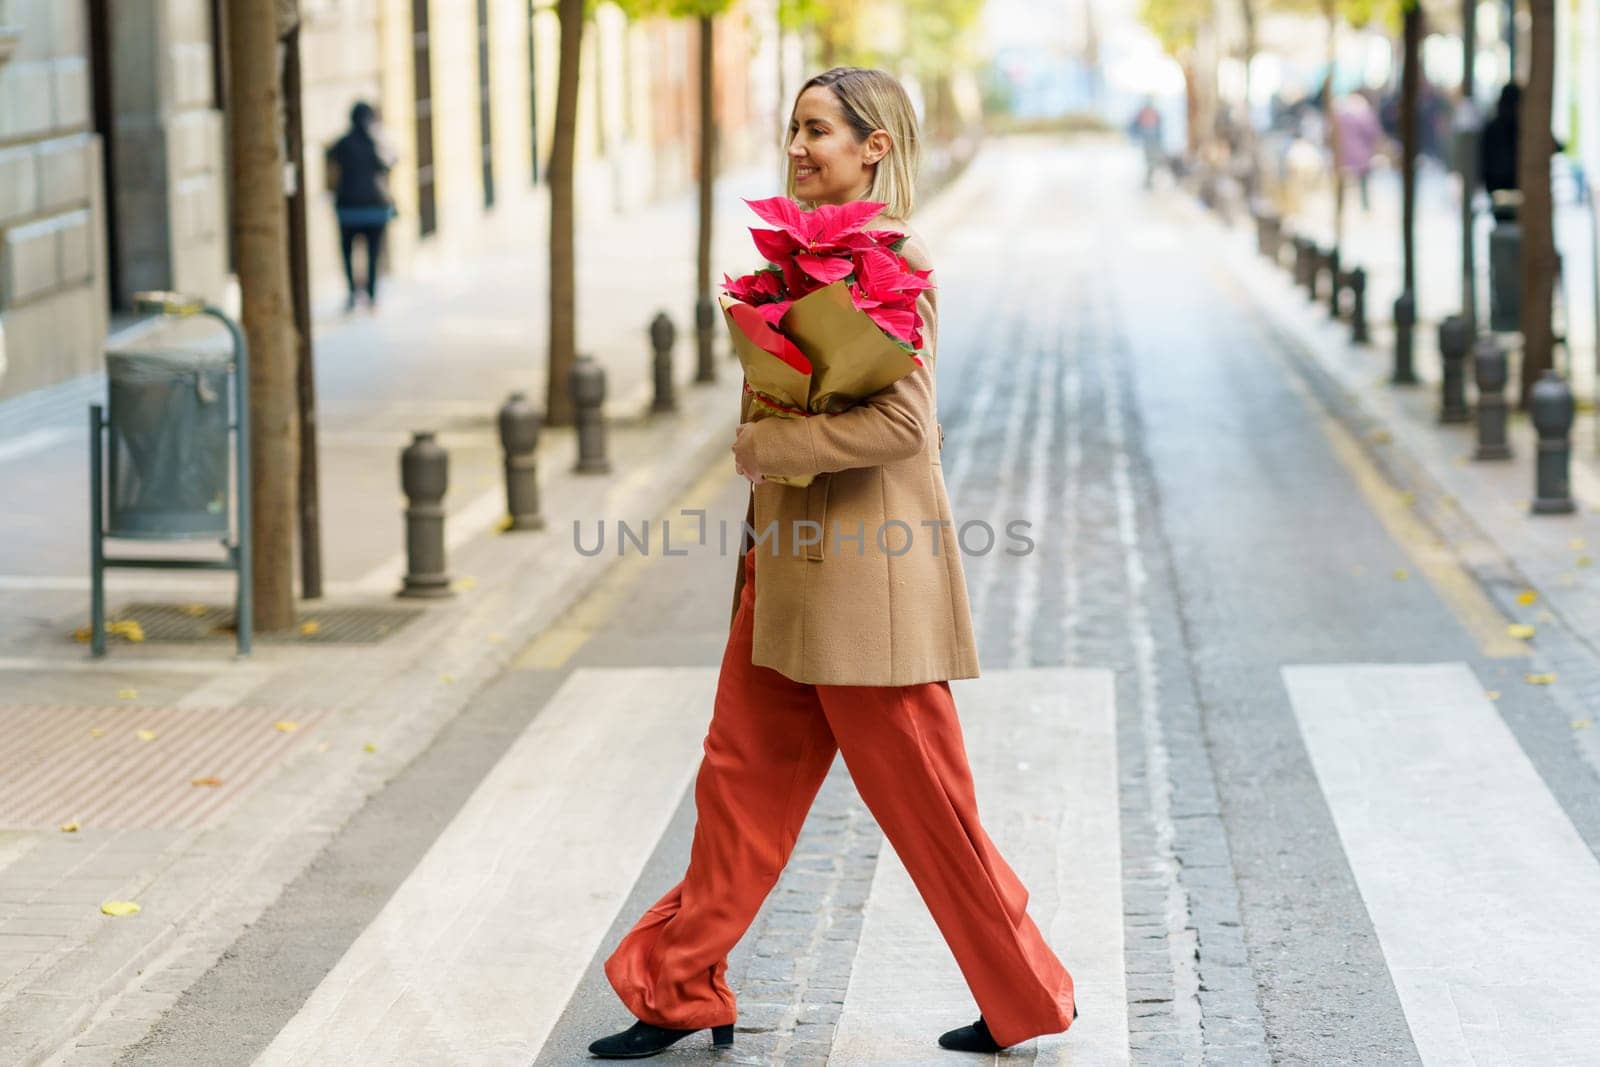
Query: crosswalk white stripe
{"x":476,"y":954}
{"x":1042,"y":744}
{"x":1478,"y":885}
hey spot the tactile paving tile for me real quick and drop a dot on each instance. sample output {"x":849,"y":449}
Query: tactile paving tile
{"x":92,"y":765}
{"x":187,"y":623}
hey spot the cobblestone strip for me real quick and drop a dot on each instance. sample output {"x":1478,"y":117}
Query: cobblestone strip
{"x":1191,"y":990}
{"x":1219,"y":991}
{"x":792,"y":988}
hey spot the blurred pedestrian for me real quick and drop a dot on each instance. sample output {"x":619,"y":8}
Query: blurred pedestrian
{"x":358,"y":166}
{"x":1358,"y":135}
{"x":1147,"y":133}
{"x":834,"y":650}
{"x":1497,"y":151}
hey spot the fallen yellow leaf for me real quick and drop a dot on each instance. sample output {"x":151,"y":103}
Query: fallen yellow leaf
{"x":1520,"y":630}
{"x":127,"y":694}
{"x":448,"y":679}
{"x":1408,"y":497}
{"x":128,"y":628}
{"x":119,"y":907}
{"x":286,"y":726}
{"x":370,"y":747}
{"x":1582,"y":724}
{"x":194,"y":611}
{"x":210,"y":779}
{"x":497,"y":639}
{"x":1379,"y":437}
{"x":69,"y":827}
{"x":1577,"y":544}
{"x":97,"y":731}
{"x":503,"y":524}
{"x":1582,"y":561}
{"x":462,"y":584}
{"x":1540,"y":679}
{"x":310,"y":626}
{"x":1492,"y":694}
{"x":1401,"y":574}
{"x":145,"y":735}
{"x":1526,"y":597}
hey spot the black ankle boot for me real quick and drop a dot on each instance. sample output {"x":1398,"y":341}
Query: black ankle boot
{"x":642,"y":1039}
{"x":976,"y":1038}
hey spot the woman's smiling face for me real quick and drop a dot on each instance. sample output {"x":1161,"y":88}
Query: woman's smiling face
{"x":830,"y":165}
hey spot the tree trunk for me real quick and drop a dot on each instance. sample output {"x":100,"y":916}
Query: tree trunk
{"x":1247,"y":124}
{"x":1536,"y":145}
{"x":260,"y":234}
{"x":563,"y":283}
{"x":1191,"y":110}
{"x":705,"y":322}
{"x":1410,"y":81}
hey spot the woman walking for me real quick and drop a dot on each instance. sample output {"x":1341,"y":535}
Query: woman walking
{"x":358,"y":172}
{"x":844,"y":638}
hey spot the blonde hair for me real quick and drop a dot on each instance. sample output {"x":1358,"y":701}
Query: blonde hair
{"x":873,"y":100}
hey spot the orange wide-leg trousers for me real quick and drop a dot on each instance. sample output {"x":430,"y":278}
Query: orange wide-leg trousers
{"x":769,"y":746}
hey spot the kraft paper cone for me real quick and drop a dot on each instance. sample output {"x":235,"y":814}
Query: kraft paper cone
{"x":851,"y":357}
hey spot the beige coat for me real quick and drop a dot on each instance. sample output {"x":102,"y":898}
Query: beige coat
{"x":889,"y":608}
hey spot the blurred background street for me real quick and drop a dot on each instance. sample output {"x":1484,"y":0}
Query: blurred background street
{"x":1287,"y":718}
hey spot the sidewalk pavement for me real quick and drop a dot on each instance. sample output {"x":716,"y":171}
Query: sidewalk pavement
{"x":199,"y":783}
{"x":1539,"y":570}
{"x":1372,"y":241}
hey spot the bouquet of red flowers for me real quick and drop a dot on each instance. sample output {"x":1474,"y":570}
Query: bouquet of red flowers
{"x":832,"y":318}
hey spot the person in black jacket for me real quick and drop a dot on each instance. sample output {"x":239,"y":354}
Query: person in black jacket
{"x":1497,"y":148}
{"x":358,"y":172}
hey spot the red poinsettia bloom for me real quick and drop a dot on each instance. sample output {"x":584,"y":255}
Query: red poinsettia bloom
{"x":757,"y":288}
{"x":811,"y":249}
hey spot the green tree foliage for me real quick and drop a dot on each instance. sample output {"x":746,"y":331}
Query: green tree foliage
{"x":1175,"y":23}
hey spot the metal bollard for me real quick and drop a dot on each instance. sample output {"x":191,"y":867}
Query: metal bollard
{"x":663,"y":335}
{"x":1405,"y":322}
{"x":1271,"y":235}
{"x":1453,"y":344}
{"x":588,"y":385}
{"x":1335,"y":282}
{"x":425,"y":475}
{"x":1551,"y":407}
{"x":1360,"y":334}
{"x":519,"y":440}
{"x":1491,"y":371}
{"x":1319,"y":266}
{"x":704,"y":319}
{"x":1302,"y":261}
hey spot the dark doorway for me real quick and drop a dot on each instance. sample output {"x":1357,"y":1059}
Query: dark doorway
{"x":105,"y":126}
{"x":485,"y":94}
{"x":422,"y":80}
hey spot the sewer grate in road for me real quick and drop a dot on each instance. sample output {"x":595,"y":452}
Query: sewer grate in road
{"x":191,"y":623}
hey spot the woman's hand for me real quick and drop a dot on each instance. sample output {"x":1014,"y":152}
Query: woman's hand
{"x":744,"y":453}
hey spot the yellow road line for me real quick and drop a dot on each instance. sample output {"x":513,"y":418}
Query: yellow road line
{"x":1459,"y":590}
{"x":557,"y":644}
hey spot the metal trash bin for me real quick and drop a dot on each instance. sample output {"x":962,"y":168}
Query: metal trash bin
{"x":168,"y":447}
{"x":169,"y":457}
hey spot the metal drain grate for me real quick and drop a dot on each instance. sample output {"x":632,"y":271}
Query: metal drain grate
{"x":190,"y":623}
